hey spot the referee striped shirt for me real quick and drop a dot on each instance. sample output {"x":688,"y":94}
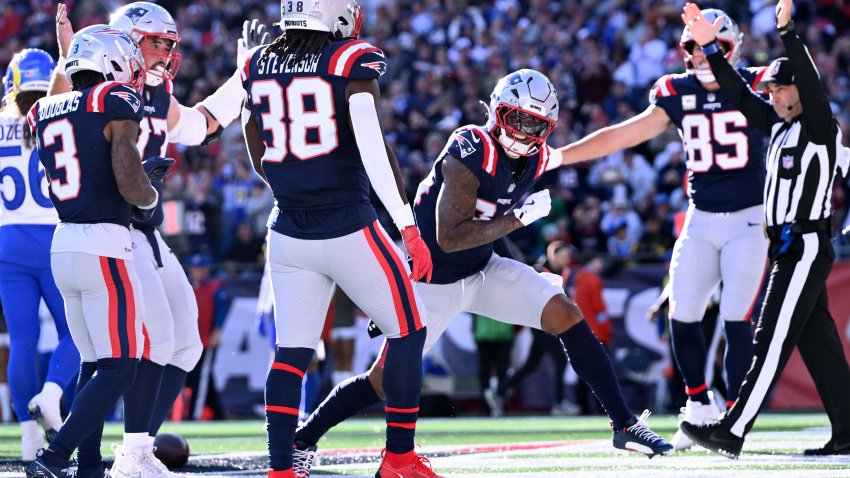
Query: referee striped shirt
{"x":800,"y":173}
{"x":803,"y":153}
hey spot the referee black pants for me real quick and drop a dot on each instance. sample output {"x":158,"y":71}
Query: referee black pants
{"x":796,"y":313}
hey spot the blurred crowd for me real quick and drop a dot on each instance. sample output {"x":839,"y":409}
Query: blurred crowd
{"x":446,"y":56}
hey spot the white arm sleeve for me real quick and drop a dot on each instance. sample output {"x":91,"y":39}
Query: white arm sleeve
{"x":191,"y":128}
{"x":226,"y":102}
{"x":370,"y":142}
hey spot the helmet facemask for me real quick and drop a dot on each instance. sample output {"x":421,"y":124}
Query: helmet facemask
{"x":170,"y":56}
{"x":522,"y":132}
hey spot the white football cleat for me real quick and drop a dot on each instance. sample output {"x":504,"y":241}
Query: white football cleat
{"x":696,"y":413}
{"x":137,"y":463}
{"x":565,"y":409}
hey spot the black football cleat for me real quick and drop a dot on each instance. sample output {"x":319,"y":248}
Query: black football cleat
{"x":38,"y":469}
{"x":831,"y":448}
{"x":715,"y":437}
{"x":636,"y":436}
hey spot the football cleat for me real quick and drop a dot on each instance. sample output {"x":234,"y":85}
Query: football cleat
{"x":137,"y":463}
{"x":405,"y":465}
{"x":831,"y":448}
{"x":39,"y":469}
{"x":304,"y":457}
{"x":565,"y":409}
{"x":638,"y":437}
{"x":97,"y":471}
{"x":715,"y":437}
{"x":47,"y":413}
{"x":697,"y":413}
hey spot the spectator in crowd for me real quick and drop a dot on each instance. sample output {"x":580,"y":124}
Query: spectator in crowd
{"x":494,"y":341}
{"x":245,"y":253}
{"x":213,"y":306}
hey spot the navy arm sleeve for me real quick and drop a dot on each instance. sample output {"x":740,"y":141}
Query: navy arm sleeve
{"x":820,"y":124}
{"x":758,"y":111}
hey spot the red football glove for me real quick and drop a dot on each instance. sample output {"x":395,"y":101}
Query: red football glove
{"x":418,"y":251}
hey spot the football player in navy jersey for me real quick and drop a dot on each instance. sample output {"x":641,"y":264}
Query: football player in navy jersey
{"x":722,"y":239}
{"x":174,"y":345}
{"x":314,"y":135}
{"x":87,"y":143}
{"x":472,"y":199}
{"x":27,"y":222}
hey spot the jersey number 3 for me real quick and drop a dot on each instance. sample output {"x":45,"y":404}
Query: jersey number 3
{"x":302,"y":119}
{"x":66,"y":158}
{"x":699,"y":133}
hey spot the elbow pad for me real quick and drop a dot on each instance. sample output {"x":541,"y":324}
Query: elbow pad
{"x":191,"y":128}
{"x":226,"y":103}
{"x":370,"y":142}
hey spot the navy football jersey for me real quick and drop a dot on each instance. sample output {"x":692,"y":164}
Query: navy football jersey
{"x":725,"y":156}
{"x":502,"y":182}
{"x":76,"y":156}
{"x":153,"y":136}
{"x":312,"y":162}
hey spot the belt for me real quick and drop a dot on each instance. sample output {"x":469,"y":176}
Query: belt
{"x":775,"y":233}
{"x":148,"y":231}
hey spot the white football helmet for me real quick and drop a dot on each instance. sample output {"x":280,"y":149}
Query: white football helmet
{"x":341,"y":18}
{"x":142,"y":19}
{"x":730,"y":38}
{"x":523,"y":106}
{"x":109,"y":52}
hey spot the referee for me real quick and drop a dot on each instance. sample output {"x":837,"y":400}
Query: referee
{"x":802,"y":162}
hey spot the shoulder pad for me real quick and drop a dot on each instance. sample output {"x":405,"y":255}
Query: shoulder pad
{"x":662,"y":89}
{"x":31,"y":117}
{"x":357,"y":60}
{"x":474,"y":147}
{"x":116,"y":100}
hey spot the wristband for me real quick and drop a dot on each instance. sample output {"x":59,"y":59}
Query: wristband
{"x":402,"y":216}
{"x":788,"y":28}
{"x":712,"y":47}
{"x":153,"y":204}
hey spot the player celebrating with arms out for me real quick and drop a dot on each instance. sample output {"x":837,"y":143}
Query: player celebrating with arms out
{"x":469,"y":201}
{"x":722,"y":239}
{"x":314,"y":135}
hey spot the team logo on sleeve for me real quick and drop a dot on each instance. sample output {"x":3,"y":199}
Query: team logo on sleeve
{"x":379,"y":66}
{"x":131,"y":99}
{"x":465,"y":146}
{"x":689,"y":102}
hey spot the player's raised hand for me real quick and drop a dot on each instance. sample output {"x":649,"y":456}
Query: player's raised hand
{"x":254,"y":34}
{"x":419,"y":253}
{"x":536,"y":206}
{"x":783,"y":12}
{"x":64,"y":30}
{"x":702,"y":31}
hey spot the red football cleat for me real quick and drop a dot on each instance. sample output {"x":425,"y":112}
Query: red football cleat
{"x":290,"y":473}
{"x":405,"y":465}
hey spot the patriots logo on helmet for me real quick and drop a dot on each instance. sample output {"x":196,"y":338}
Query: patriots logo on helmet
{"x":132,"y":100}
{"x":136,"y":13}
{"x":379,"y":66}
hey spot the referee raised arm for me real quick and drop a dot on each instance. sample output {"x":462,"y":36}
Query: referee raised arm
{"x":802,"y":162}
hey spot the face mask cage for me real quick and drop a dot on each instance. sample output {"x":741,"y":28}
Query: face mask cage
{"x":171,"y":57}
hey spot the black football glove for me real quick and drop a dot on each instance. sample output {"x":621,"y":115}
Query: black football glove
{"x":141,"y":215}
{"x":156,"y":167}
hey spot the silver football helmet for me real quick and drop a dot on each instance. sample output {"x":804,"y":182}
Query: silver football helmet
{"x":341,"y":18}
{"x":144,"y":19}
{"x":523,"y":107}
{"x":730,"y":38}
{"x":109,"y":52}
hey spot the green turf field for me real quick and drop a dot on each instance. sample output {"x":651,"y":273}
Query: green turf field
{"x":522,"y":446}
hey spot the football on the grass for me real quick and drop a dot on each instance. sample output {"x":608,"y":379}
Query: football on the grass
{"x":171,"y":449}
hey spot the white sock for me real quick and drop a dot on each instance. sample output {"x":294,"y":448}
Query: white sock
{"x":135,"y":440}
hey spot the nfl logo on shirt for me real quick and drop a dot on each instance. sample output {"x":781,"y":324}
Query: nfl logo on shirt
{"x":788,"y":161}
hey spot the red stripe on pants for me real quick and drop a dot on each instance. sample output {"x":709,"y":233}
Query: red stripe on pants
{"x":114,"y":342}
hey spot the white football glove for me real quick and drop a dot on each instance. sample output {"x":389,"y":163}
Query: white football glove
{"x":535,"y":206}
